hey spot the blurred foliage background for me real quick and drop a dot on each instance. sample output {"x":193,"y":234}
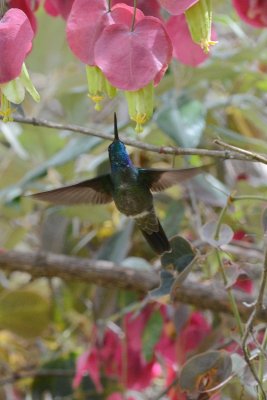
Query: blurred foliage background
{"x":224,"y":98}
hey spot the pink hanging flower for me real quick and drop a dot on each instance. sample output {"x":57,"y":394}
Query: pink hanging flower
{"x":16,"y":37}
{"x":87,"y":21}
{"x":132,"y":59}
{"x":28,"y":7}
{"x":58,"y":8}
{"x":177,"y":7}
{"x":108,"y":356}
{"x":148,"y":7}
{"x":185,"y":49}
{"x":122,"y":53}
{"x":253,"y":12}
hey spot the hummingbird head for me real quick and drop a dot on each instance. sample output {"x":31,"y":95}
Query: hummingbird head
{"x":118,"y":155}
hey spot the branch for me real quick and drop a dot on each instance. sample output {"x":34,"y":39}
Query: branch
{"x":103,"y":273}
{"x":36,"y":373}
{"x":106,"y":273}
{"x":223,"y":154}
{"x":205,"y":296}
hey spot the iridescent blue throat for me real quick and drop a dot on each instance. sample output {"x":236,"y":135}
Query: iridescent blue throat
{"x":118,"y":156}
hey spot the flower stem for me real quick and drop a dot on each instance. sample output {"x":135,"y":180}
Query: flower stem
{"x":109,"y":5}
{"x":230,"y":295}
{"x":3,"y":8}
{"x":219,"y":223}
{"x":261,"y":363}
{"x":134,"y":15}
{"x":249,"y":197}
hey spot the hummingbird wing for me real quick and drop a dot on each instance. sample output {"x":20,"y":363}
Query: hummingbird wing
{"x":161,"y":179}
{"x":95,"y":191}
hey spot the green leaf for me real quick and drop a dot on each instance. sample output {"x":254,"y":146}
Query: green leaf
{"x":95,"y":214}
{"x":24,"y":312}
{"x":55,"y":384}
{"x":174,"y":215}
{"x":180,"y":257}
{"x":184,"y":124}
{"x":14,"y":237}
{"x":151,"y":334}
{"x":167,"y":280}
{"x":205,"y":371}
{"x":117,"y":246}
{"x":74,"y":148}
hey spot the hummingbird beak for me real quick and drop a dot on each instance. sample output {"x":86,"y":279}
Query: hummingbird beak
{"x":116,"y":133}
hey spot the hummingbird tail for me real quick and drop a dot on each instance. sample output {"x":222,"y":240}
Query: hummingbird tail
{"x":158,"y":241}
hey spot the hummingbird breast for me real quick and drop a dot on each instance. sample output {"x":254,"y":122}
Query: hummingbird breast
{"x":130,"y":197}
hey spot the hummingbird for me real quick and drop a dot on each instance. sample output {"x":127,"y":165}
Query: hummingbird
{"x":131,"y":188}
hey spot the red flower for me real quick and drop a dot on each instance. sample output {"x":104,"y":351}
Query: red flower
{"x":177,"y":7}
{"x":253,"y":12}
{"x":108,"y":356}
{"x":245,"y":284}
{"x":16,"y":37}
{"x":175,"y":349}
{"x":184,"y":49}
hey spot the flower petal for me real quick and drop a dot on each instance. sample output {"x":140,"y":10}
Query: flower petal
{"x":86,"y":22}
{"x":149,"y":7}
{"x":177,"y":7}
{"x":14,"y":91}
{"x":184,"y":49}
{"x":252,"y":12}
{"x":132,"y":59}
{"x":16,"y":36}
{"x":28,"y":7}
{"x":58,"y":7}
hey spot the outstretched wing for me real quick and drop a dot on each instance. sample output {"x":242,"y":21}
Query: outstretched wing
{"x":95,"y":191}
{"x":161,"y":179}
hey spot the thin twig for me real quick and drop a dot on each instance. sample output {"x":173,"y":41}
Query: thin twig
{"x":222,"y":154}
{"x":247,"y":153}
{"x":249,"y":326}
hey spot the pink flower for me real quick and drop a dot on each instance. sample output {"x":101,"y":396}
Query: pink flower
{"x":184,"y":49}
{"x":58,"y":7}
{"x":132,"y":59}
{"x":16,"y":36}
{"x":177,"y":7}
{"x":253,"y":12}
{"x":87,"y":21}
{"x":28,"y":7}
{"x":245,"y":284}
{"x":175,"y":349}
{"x":108,"y":356}
{"x":149,"y":7}
{"x":119,"y":396}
